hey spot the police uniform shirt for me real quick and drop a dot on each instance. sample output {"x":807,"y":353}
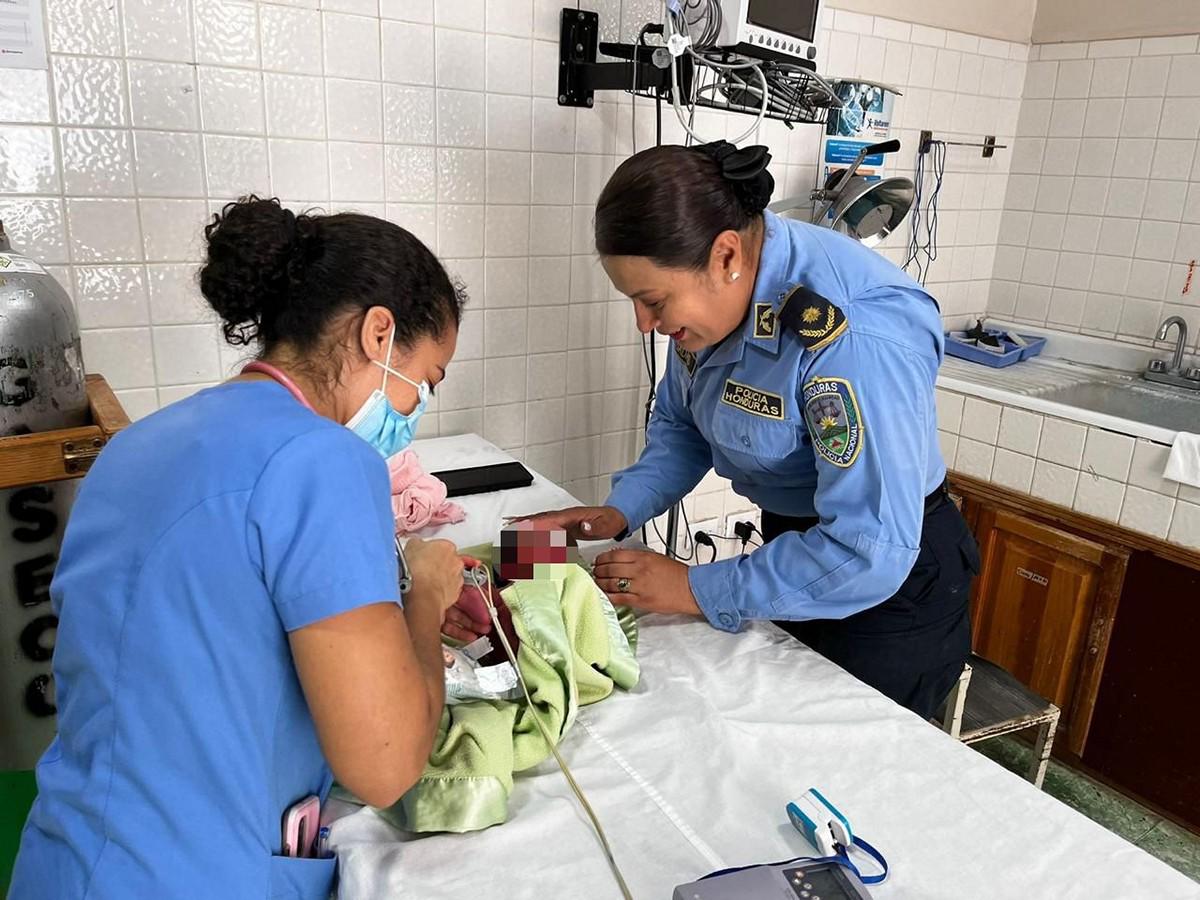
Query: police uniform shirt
{"x":822,"y":404}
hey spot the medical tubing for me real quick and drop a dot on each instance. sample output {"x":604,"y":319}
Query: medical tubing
{"x":587,"y":807}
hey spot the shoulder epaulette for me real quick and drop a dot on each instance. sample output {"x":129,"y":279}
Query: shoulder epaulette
{"x":814,"y":319}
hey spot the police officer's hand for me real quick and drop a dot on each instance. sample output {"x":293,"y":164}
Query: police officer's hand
{"x":583,"y":523}
{"x":645,"y":580}
{"x":437,"y":572}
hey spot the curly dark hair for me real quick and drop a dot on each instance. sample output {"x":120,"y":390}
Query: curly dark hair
{"x":275,"y":277}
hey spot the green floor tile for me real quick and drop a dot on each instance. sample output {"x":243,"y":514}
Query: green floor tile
{"x":1122,"y":815}
{"x":17,"y":790}
{"x":1175,"y":846}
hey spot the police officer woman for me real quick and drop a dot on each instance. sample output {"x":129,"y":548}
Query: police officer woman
{"x":803,"y":370}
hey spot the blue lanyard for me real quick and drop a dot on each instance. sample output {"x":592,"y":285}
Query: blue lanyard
{"x":842,"y":859}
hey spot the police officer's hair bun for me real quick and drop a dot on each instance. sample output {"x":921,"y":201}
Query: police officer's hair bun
{"x":669,"y":203}
{"x":274,"y":276}
{"x":746,"y":172}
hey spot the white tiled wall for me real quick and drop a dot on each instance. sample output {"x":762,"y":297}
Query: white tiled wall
{"x":439,"y":115}
{"x":1093,"y":471}
{"x":1102,"y":219}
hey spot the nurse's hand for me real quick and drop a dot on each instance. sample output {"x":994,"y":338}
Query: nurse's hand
{"x":583,"y":523}
{"x":468,"y":618}
{"x":436,"y":570}
{"x":651,"y":581}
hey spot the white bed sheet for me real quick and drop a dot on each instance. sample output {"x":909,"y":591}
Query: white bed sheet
{"x":691,"y":771}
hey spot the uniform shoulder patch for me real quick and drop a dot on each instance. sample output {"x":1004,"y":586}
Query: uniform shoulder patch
{"x":764,"y":321}
{"x":834,"y":420}
{"x":815,"y":320}
{"x":753,"y":400}
{"x":687,"y":357}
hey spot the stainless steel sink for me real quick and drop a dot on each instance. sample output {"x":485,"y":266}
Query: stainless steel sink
{"x":1132,"y":398}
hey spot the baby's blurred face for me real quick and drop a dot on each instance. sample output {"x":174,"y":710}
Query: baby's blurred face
{"x":531,"y":551}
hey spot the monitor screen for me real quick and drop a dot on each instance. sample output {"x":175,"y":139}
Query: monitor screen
{"x":795,"y":17}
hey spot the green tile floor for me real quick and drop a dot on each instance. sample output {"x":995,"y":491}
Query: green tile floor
{"x":1175,"y":846}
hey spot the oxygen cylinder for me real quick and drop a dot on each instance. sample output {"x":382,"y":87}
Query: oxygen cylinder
{"x":42,"y":388}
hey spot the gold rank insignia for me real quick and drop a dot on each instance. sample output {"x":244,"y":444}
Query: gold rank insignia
{"x":815,"y":320}
{"x":764,"y":321}
{"x":687,"y":357}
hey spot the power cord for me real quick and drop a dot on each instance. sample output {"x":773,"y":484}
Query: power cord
{"x":926,"y":245}
{"x":578,"y":791}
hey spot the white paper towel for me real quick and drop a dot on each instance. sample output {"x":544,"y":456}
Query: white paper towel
{"x":1183,"y":465}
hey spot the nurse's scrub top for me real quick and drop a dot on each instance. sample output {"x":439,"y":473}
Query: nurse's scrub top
{"x":201,"y":537}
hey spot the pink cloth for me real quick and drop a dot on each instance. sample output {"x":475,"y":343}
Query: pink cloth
{"x":419,"y":499}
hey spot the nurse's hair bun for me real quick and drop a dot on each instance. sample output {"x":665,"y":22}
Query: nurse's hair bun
{"x":277,"y":278}
{"x":257,"y":255}
{"x":746,"y":172}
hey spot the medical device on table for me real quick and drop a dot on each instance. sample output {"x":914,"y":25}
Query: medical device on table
{"x":833,"y":876}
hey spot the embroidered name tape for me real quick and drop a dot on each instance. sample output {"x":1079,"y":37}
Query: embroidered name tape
{"x":753,"y":400}
{"x":834,"y":420}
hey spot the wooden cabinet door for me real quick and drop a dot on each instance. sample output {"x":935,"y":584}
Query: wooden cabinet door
{"x":1042,"y":609}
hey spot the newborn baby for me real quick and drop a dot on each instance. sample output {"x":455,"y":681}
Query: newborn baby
{"x":526,"y":550}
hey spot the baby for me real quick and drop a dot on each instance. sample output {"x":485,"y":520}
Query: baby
{"x":525,"y":551}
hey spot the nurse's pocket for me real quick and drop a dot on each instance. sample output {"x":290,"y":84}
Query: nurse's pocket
{"x":293,"y":878}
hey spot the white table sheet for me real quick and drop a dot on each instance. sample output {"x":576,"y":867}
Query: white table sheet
{"x":691,"y":771}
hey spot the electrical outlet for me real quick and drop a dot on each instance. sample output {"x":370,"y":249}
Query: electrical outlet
{"x":710,"y":526}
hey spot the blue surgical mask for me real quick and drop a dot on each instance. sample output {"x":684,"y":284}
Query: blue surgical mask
{"x":378,"y":423}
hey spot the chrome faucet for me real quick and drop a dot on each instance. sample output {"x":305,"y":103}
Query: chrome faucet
{"x":1180,"y":343}
{"x":1162,"y":372}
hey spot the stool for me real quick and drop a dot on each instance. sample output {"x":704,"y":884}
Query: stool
{"x":995,"y":704}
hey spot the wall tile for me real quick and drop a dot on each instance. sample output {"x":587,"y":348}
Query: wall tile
{"x":97,"y":162}
{"x":124,"y":355}
{"x":1062,"y":442}
{"x":408,"y":53}
{"x":409,"y":114}
{"x":295,"y":106}
{"x":235,"y":166}
{"x":1054,"y":483}
{"x":90,"y":91}
{"x":104,"y":232}
{"x":226,"y":32}
{"x":1147,"y":512}
{"x":169,"y":164}
{"x":231,"y":101}
{"x":156,"y":30}
{"x":172,"y":230}
{"x":352,"y":46}
{"x":1185,"y":525}
{"x":291,"y":40}
{"x":111,"y":296}
{"x":1099,"y":497}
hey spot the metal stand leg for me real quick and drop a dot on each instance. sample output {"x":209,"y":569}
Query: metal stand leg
{"x":672,"y":531}
{"x":952,"y":723}
{"x":1041,"y":751}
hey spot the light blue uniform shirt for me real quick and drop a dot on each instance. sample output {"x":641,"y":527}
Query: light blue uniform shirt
{"x":750,"y":408}
{"x":202,"y":536}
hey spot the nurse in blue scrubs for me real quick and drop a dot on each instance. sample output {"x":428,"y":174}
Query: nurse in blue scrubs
{"x":231,"y":636}
{"x":802,"y":369}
